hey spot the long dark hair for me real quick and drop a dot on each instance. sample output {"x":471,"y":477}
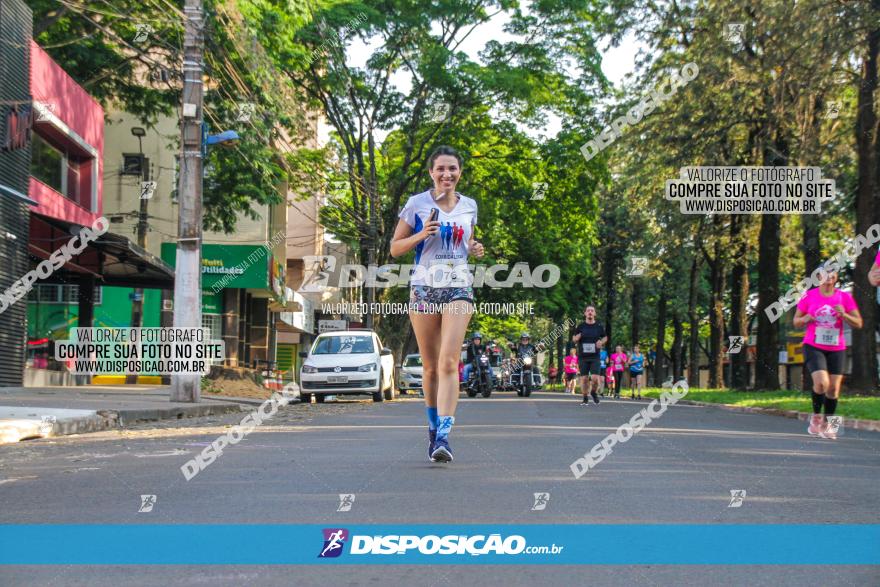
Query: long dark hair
{"x":443,"y":150}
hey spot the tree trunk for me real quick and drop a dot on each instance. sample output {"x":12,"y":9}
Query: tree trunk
{"x":716,"y":319}
{"x":636,"y":309}
{"x":693,"y":319}
{"x":609,"y":267}
{"x":811,"y":242}
{"x":767,"y":363}
{"x":661,"y":336}
{"x":864,"y":347}
{"x":560,"y":355}
{"x":739,"y":297}
{"x":678,"y":336}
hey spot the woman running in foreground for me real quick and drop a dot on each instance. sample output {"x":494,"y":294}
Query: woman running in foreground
{"x":823,"y":310}
{"x":439,"y":224}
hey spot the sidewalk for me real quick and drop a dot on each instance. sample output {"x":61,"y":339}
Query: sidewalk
{"x":33,"y":412}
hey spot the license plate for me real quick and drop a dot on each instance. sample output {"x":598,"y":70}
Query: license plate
{"x":337,"y":379}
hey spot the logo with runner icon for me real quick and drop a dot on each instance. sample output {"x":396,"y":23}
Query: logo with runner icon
{"x":833,"y":110}
{"x":147,"y":503}
{"x":735,"y":344}
{"x":637,"y":266}
{"x":736,"y":498}
{"x":835,"y":424}
{"x":317,"y":273}
{"x":334,"y":540}
{"x":541,"y":501}
{"x":346,"y":500}
{"x":539,"y":189}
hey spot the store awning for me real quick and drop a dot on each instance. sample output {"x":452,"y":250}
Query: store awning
{"x":128,"y":265}
{"x":112,"y":258}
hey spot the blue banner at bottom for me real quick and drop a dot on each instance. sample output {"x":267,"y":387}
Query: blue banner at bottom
{"x":264,"y":544}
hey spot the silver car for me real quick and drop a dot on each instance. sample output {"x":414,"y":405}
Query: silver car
{"x":409,"y":374}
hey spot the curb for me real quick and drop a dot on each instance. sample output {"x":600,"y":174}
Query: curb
{"x":853,"y":423}
{"x":124,"y":417}
{"x":246,"y":401}
{"x":110,"y":419}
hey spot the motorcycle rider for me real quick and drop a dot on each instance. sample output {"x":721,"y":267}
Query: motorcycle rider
{"x":474,"y":349}
{"x":523,"y":349}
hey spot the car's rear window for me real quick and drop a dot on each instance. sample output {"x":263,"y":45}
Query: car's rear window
{"x":413,"y":362}
{"x":343,"y":345}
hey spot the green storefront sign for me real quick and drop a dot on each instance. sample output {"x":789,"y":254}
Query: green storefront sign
{"x":233,"y":266}
{"x":212,"y":303}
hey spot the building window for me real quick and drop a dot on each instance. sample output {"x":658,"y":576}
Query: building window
{"x":66,"y":171}
{"x":48,"y":164}
{"x":174,"y":188}
{"x":214,"y":324}
{"x":50,"y":293}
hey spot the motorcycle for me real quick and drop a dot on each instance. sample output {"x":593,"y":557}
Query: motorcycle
{"x":523,"y":378}
{"x":480,"y":380}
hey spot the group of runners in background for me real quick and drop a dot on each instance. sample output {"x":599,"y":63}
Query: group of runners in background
{"x":611,"y":371}
{"x":822,"y":312}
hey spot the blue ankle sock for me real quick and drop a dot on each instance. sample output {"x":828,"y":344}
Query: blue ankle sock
{"x":445,"y":426}
{"x":432,"y":418}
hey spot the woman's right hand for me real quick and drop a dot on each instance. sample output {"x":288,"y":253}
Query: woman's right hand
{"x":431,"y":228}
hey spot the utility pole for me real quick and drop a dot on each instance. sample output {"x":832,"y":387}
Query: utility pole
{"x":188,"y":282}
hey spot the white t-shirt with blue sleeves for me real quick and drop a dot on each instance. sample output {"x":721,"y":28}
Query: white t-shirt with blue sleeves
{"x":441,"y":259}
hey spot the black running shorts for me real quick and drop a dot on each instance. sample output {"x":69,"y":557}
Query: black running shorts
{"x":588,"y":366}
{"x":821,"y":360}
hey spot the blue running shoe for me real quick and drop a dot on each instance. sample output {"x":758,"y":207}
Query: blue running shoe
{"x":432,"y":436}
{"x":442,"y":451}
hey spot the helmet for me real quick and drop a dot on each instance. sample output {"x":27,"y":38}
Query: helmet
{"x":476,"y":335}
{"x":524,"y":335}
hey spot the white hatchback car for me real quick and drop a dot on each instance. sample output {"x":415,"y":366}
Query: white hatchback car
{"x":347,"y":362}
{"x":409,"y":374}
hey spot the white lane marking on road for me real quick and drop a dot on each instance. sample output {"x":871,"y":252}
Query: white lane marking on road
{"x":166,"y":453}
{"x":749,"y":433}
{"x":11,"y":479}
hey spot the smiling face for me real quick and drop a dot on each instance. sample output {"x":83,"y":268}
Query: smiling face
{"x":446,"y":172}
{"x":829,"y":279}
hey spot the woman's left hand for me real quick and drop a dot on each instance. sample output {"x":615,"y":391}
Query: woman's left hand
{"x":477,"y":250}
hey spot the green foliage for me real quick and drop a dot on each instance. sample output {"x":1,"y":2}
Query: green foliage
{"x":97,"y":44}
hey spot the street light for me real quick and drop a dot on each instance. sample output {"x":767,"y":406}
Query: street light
{"x":137,"y":298}
{"x":139,"y":133}
{"x":227,"y":137}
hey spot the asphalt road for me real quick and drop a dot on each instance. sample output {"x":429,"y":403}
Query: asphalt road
{"x":291,"y":470}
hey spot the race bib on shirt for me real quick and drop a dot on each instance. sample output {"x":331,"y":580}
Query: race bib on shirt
{"x":588,"y":347}
{"x":445,"y":273}
{"x":827,"y":336}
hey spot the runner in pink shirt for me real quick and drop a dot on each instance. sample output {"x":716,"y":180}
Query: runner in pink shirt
{"x":571,"y":369}
{"x":822,"y":311}
{"x":874,"y":273}
{"x":618,"y":361}
{"x":609,"y":377}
